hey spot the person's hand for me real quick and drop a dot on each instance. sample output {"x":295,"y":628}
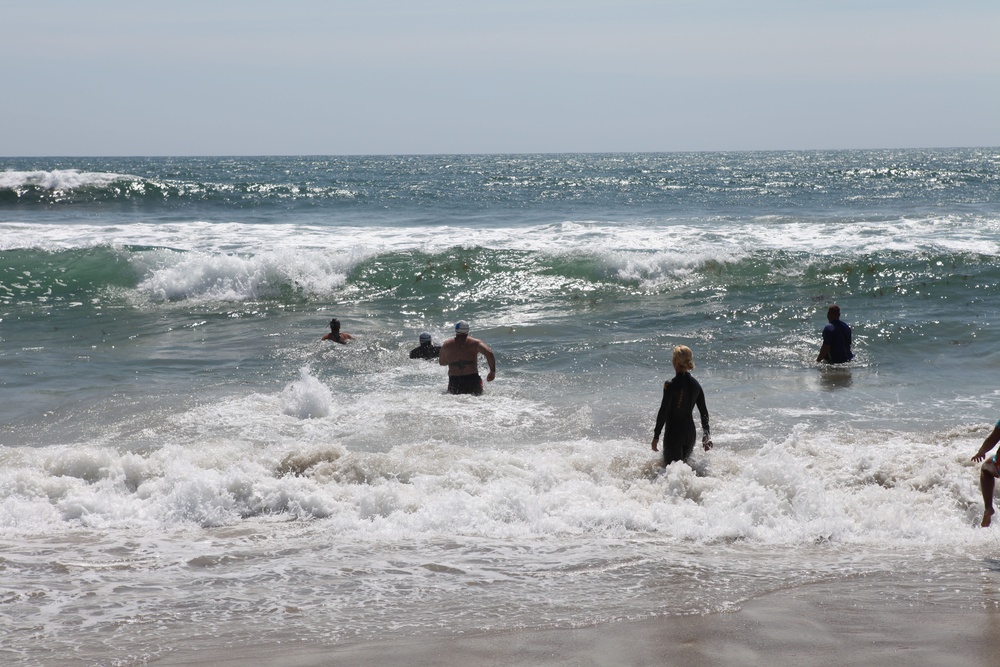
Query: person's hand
{"x":706,"y":442}
{"x":655,"y":440}
{"x":979,"y":457}
{"x":491,"y":376}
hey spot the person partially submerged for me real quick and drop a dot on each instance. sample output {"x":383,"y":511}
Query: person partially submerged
{"x":461,"y":355}
{"x":426,"y":349}
{"x":836,"y":348}
{"x":336,"y":335}
{"x":680,"y":396}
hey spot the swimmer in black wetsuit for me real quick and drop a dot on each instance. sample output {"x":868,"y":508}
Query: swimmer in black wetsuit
{"x":426,"y":349}
{"x":680,"y":396}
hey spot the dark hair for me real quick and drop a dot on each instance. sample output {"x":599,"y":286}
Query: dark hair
{"x":335,"y":325}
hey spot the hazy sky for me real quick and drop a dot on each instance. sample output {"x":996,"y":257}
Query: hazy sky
{"x":248,"y":77}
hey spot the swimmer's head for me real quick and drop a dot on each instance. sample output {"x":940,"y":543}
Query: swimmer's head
{"x":683,"y":358}
{"x":425,"y":337}
{"x":335,"y":325}
{"x":461,"y":328}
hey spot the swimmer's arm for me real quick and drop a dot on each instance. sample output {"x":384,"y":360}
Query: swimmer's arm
{"x":445,"y":355}
{"x":824,"y":352}
{"x":661,"y":417}
{"x":706,"y":435}
{"x":490,"y":359}
{"x":989,"y":443}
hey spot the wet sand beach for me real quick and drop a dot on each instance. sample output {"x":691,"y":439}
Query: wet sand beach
{"x":802,"y":627}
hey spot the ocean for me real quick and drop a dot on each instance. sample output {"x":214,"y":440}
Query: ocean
{"x":184,"y":463}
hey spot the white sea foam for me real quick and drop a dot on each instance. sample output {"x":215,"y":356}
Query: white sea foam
{"x":236,"y":262}
{"x":56,"y":180}
{"x":485,"y":469}
{"x":307,"y":398}
{"x":722,"y":238}
{"x":197,"y":276}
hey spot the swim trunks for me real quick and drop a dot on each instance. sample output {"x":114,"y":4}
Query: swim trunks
{"x":465,"y":384}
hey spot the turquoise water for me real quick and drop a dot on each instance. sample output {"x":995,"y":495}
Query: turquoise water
{"x":161,"y":374}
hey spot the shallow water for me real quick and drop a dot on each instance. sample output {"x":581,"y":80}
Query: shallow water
{"x":184,"y":461}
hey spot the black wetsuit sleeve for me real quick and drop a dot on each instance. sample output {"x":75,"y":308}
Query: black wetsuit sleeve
{"x":662,"y":417}
{"x":426,"y":352}
{"x":703,"y":411}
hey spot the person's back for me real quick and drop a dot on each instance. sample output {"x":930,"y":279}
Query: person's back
{"x":336,"y":335}
{"x":426,"y":350}
{"x":680,"y":396}
{"x":836,"y":348}
{"x":839,"y":339}
{"x":461,"y":355}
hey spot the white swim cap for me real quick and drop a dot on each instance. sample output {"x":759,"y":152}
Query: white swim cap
{"x":461,"y":327}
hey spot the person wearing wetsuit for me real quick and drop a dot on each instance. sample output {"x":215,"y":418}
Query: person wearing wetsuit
{"x":680,"y":396}
{"x":836,"y":348}
{"x":425,"y":350}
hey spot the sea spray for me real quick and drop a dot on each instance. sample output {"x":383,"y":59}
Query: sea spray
{"x":307,"y":397}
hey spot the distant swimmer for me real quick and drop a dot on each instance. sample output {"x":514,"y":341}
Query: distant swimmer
{"x":461,"y":355}
{"x":336,"y":335}
{"x":836,"y":347}
{"x":680,"y":396}
{"x":988,"y":473}
{"x":426,"y":350}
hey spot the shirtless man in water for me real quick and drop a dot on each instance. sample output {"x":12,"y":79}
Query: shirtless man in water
{"x":336,"y":335}
{"x":988,"y":473}
{"x":461,"y":355}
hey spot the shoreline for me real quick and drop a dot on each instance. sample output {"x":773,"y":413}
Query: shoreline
{"x":804,"y":626}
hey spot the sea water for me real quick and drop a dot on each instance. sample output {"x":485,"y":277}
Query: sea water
{"x":185,"y":464}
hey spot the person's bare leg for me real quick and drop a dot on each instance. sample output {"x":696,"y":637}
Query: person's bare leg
{"x":987,"y":482}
